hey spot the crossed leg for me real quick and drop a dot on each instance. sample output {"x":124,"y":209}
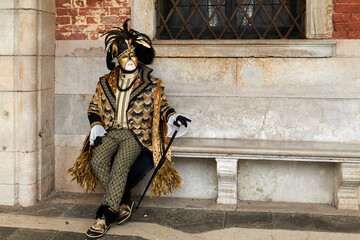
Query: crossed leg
{"x":121,"y":146}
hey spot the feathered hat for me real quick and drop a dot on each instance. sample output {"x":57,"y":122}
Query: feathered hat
{"x":119,"y":40}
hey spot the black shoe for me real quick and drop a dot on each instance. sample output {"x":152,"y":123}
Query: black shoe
{"x":98,"y":229}
{"x":105,"y":216}
{"x":125,"y":212}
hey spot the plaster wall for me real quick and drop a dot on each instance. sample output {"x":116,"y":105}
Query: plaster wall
{"x":303,"y":99}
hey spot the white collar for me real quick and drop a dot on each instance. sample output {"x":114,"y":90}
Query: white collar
{"x":128,"y":76}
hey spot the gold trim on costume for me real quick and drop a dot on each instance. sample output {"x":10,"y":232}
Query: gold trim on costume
{"x":95,"y":123}
{"x":127,"y":51}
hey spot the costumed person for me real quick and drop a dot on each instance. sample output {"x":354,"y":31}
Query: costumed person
{"x":131,"y":122}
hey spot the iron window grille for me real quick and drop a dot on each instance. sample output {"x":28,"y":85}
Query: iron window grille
{"x":230,"y":19}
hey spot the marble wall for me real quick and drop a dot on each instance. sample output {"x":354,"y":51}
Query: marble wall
{"x":285,"y":181}
{"x":302,"y":99}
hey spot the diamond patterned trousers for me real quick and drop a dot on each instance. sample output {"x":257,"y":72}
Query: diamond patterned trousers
{"x":111,"y":162}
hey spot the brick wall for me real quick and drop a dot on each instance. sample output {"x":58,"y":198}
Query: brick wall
{"x":346,"y":18}
{"x":87,"y":19}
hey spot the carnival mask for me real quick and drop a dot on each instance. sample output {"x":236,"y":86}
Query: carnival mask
{"x":128,"y":60}
{"x":130,"y":47}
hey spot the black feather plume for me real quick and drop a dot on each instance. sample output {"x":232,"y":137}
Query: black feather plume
{"x":115,"y":44}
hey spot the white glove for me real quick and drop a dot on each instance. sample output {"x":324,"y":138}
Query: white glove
{"x":171,"y":127}
{"x":96,"y":131}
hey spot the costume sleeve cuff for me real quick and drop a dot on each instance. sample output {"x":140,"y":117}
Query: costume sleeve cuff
{"x":94,"y":118}
{"x":168,"y":113}
{"x":95,"y":123}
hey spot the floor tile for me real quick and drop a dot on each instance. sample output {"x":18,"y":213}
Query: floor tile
{"x":46,"y":210}
{"x":9,"y":209}
{"x":151,"y":215}
{"x":4,"y":232}
{"x":248,"y":220}
{"x":82,"y":211}
{"x":186,"y":220}
{"x":348,"y":224}
{"x":293,"y":221}
{"x":195,"y":221}
{"x":117,"y":237}
{"x":69,"y":235}
{"x":31,"y":234}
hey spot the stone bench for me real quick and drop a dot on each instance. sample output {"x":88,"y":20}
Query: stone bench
{"x":227,"y":152}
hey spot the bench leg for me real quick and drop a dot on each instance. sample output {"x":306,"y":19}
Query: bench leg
{"x":346,"y":184}
{"x":227,"y":180}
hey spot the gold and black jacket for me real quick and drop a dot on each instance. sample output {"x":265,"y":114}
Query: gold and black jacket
{"x":147,"y":114}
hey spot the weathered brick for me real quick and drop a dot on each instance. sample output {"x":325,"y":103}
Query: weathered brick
{"x":109,"y":27}
{"x":341,"y":17}
{"x":114,"y":11}
{"x":62,"y":36}
{"x":88,"y":19}
{"x":66,"y":12}
{"x":78,"y":36}
{"x":62,"y":20}
{"x":347,"y":26}
{"x":120,"y":11}
{"x":94,"y":3}
{"x":354,"y":35}
{"x":355,"y":17}
{"x":71,"y":36}
{"x":93,"y":20}
{"x":64,"y":28}
{"x":347,"y":8}
{"x":93,"y":36}
{"x":88,"y":28}
{"x":79,"y":3}
{"x":347,"y":1}
{"x":125,"y":11}
{"x":109,"y":20}
{"x":93,"y":11}
{"x":78,"y":20}
{"x":63,"y":3}
{"x":340,"y":35}
{"x":122,"y":19}
{"x":116,"y":3}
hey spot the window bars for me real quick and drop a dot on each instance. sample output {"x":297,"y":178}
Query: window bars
{"x":230,"y":19}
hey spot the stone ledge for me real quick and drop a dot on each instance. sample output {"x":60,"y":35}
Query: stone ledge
{"x":210,"y":48}
{"x":245,"y":48}
{"x":184,"y":215}
{"x":228,"y":151}
{"x":267,"y":150}
{"x":248,"y":149}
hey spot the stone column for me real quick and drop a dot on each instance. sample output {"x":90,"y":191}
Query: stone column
{"x":21,"y":58}
{"x":346,"y":185}
{"x":8,"y":187}
{"x":227,"y":180}
{"x":26,"y":108}
{"x":46,"y":98}
{"x":319,"y":23}
{"x":143,"y":17}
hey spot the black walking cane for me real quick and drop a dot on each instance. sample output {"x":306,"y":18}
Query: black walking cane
{"x":162,"y":160}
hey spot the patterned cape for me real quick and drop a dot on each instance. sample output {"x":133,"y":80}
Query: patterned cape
{"x":167,"y":178}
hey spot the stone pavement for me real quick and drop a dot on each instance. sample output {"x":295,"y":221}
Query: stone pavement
{"x":68,"y":216}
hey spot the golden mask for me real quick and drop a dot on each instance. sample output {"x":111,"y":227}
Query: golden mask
{"x":128,"y":61}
